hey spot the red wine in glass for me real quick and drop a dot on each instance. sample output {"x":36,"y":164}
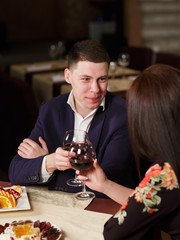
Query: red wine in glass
{"x":83,"y":160}
{"x":71,"y":138}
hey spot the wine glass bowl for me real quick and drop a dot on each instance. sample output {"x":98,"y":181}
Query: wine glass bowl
{"x":123,"y":60}
{"x":112,"y":68}
{"x":71,"y":138}
{"x":53,"y":51}
{"x":82,"y":160}
{"x":56,"y":50}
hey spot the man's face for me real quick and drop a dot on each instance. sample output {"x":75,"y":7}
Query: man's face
{"x":89,"y":83}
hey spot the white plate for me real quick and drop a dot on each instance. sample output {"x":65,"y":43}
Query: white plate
{"x":22,"y":202}
{"x":55,"y":226}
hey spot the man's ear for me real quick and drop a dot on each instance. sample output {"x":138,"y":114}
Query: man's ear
{"x":67,"y":75}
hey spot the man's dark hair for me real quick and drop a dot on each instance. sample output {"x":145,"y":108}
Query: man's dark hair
{"x":88,"y":50}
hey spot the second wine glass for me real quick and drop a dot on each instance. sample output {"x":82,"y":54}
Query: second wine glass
{"x":70,"y":138}
{"x":123,"y":61}
{"x":83,"y":160}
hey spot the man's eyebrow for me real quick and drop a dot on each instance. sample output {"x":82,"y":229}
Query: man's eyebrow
{"x":84,"y":75}
{"x":89,"y":76}
{"x":104,"y":76}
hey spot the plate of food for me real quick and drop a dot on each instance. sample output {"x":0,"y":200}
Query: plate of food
{"x":28,"y":229}
{"x":14,"y":198}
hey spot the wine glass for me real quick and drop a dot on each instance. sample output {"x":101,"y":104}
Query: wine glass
{"x":83,"y":160}
{"x":57,"y":50}
{"x":112,"y":68}
{"x":53,"y":51}
{"x":123,"y":61}
{"x":70,"y":138}
{"x":61,"y":48}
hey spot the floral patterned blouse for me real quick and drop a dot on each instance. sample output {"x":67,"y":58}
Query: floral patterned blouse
{"x":153,"y":206}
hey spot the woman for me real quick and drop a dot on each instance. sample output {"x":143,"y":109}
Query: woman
{"x":154,"y":127}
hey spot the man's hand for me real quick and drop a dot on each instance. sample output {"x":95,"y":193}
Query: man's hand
{"x":30,"y":149}
{"x":58,"y":160}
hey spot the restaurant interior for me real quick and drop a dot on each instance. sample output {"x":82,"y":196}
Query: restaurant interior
{"x":35,"y":37}
{"x":31,"y":30}
{"x":35,"y":34}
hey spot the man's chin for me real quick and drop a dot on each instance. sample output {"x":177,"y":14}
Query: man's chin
{"x":92,"y":106}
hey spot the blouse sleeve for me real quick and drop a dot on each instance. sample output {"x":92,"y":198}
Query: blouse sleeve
{"x":145,"y":210}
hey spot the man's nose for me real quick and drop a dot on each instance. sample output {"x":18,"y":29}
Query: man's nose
{"x":95,"y":87}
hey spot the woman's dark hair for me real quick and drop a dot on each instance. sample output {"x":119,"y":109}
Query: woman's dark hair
{"x":154,"y":115}
{"x":88,"y":50}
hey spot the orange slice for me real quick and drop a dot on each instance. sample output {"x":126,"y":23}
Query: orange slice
{"x":7,"y":200}
{"x":25,"y":229}
{"x":21,"y":230}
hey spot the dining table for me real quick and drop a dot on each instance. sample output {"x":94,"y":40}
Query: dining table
{"x":48,"y":85}
{"x":77,"y":219}
{"x":25,"y":71}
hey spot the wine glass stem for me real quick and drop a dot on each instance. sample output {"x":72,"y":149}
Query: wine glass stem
{"x":76,"y":180}
{"x":123,"y":73}
{"x":84,"y":188}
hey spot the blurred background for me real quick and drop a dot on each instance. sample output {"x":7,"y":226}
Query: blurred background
{"x":35,"y":32}
{"x":27,"y":28}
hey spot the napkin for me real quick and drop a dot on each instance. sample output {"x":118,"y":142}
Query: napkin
{"x":58,"y":78}
{"x":34,"y":68}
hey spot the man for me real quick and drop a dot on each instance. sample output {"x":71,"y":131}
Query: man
{"x":41,"y":158}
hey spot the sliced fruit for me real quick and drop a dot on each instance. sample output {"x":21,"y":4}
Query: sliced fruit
{"x":7,"y":200}
{"x":22,"y":229}
{"x":14,"y":193}
{"x":17,"y":188}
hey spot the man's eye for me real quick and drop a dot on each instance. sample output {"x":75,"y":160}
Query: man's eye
{"x":102,"y":79}
{"x":85,"y":79}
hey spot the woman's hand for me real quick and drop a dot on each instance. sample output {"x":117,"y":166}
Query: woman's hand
{"x":94,"y":178}
{"x":30,"y":149}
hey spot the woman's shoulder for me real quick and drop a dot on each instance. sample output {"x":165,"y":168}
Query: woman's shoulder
{"x":162,"y":172}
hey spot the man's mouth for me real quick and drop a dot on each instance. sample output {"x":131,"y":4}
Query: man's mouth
{"x":93,"y":99}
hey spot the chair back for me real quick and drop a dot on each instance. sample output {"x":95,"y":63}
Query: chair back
{"x":140,"y":57}
{"x":167,"y":58}
{"x":18,"y":115}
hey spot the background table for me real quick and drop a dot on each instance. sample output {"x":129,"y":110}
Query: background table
{"x":44,"y":87}
{"x":120,"y":72}
{"x":27,"y":70}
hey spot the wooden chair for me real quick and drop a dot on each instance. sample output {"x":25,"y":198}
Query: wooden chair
{"x":121,"y":93}
{"x":167,"y":58}
{"x":140,"y":57}
{"x":18,"y":115}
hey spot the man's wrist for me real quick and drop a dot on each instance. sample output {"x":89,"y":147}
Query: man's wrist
{"x":50,"y":166}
